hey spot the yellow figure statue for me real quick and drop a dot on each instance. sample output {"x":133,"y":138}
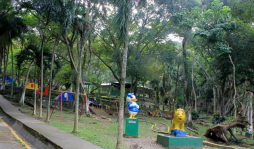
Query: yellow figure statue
{"x":179,"y":119}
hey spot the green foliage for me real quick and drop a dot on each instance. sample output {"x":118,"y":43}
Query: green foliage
{"x":122,"y":18}
{"x":217,"y":119}
{"x":194,"y":115}
{"x":236,"y":141}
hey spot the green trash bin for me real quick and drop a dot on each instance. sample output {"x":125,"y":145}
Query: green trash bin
{"x":131,"y":127}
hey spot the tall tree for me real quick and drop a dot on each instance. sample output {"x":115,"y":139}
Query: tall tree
{"x":43,"y":12}
{"x":184,"y":24}
{"x":122,"y":27}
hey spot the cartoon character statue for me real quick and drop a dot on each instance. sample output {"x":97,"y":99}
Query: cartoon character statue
{"x":179,"y":119}
{"x":132,"y":105}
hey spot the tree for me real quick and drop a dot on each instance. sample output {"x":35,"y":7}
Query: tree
{"x":27,"y":55}
{"x":122,"y":26}
{"x":11,"y":27}
{"x":50,"y":79}
{"x":184,"y":22}
{"x":43,"y":12}
{"x":220,"y":24}
{"x":30,"y":55}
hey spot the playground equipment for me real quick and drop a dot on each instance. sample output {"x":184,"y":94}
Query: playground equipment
{"x":67,"y":96}
{"x":158,"y":113}
{"x":114,"y":104}
{"x":45,"y":91}
{"x":31,"y":86}
{"x":132,"y":105}
{"x":16,"y":83}
{"x":7,"y":79}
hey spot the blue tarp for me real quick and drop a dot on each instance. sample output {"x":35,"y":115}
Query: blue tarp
{"x":7,"y":79}
{"x":66,"y":96}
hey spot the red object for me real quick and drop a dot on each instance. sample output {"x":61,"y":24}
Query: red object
{"x":61,"y":105}
{"x":151,"y":113}
{"x":45,"y":90}
{"x":113,"y":106}
{"x":32,"y":85}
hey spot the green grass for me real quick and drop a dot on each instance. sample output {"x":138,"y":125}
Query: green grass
{"x":22,"y":144}
{"x":104,"y":133}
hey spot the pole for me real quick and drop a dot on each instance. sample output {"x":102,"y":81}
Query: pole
{"x":111,"y":108}
{"x":54,"y":107}
{"x":117,"y":108}
{"x":82,"y":106}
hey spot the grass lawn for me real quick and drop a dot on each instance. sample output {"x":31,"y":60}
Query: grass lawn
{"x":102,"y":132}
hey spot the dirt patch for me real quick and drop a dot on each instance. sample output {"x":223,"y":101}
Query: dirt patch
{"x":142,"y":143}
{"x":163,"y":128}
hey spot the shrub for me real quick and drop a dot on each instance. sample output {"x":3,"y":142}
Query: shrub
{"x":194,"y":115}
{"x":217,"y":119}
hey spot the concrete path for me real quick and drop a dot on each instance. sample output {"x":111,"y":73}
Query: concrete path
{"x":57,"y":137}
{"x":7,"y":139}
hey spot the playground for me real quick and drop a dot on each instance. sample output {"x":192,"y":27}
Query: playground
{"x":100,"y":126}
{"x":103,"y":132}
{"x":98,"y":123}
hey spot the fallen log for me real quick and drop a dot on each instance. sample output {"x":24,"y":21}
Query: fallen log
{"x":219,"y":132}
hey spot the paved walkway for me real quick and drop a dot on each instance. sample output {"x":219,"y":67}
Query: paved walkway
{"x":58,"y":137}
{"x":7,"y":139}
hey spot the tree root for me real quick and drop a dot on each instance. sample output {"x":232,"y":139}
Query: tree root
{"x":219,"y":132}
{"x":193,"y":130}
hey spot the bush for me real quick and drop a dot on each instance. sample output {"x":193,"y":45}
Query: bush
{"x":194,"y":115}
{"x":217,"y":119}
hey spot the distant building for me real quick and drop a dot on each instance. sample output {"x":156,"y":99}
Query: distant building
{"x":113,"y":89}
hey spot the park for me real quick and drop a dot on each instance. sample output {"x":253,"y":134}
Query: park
{"x":122,"y":74}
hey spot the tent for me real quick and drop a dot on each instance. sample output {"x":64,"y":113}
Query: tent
{"x":16,"y":83}
{"x":65,"y":96}
{"x":31,"y":86}
{"x":7,"y":79}
{"x":45,"y":90}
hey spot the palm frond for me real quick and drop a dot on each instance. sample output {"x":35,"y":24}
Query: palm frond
{"x":121,"y":18}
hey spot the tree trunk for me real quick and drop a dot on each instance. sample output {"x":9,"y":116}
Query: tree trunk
{"x":250,"y":112}
{"x":42,"y":42}
{"x":78,"y":70}
{"x":50,"y":80}
{"x":1,"y":60}
{"x":193,"y":87}
{"x":119,"y":144}
{"x":34,"y":111}
{"x":11,"y":66}
{"x":4,"y":73}
{"x":186,"y":82}
{"x":214,"y":100}
{"x":234,"y":86}
{"x":22,"y":100}
{"x":75,"y":129}
{"x":175,"y":89}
